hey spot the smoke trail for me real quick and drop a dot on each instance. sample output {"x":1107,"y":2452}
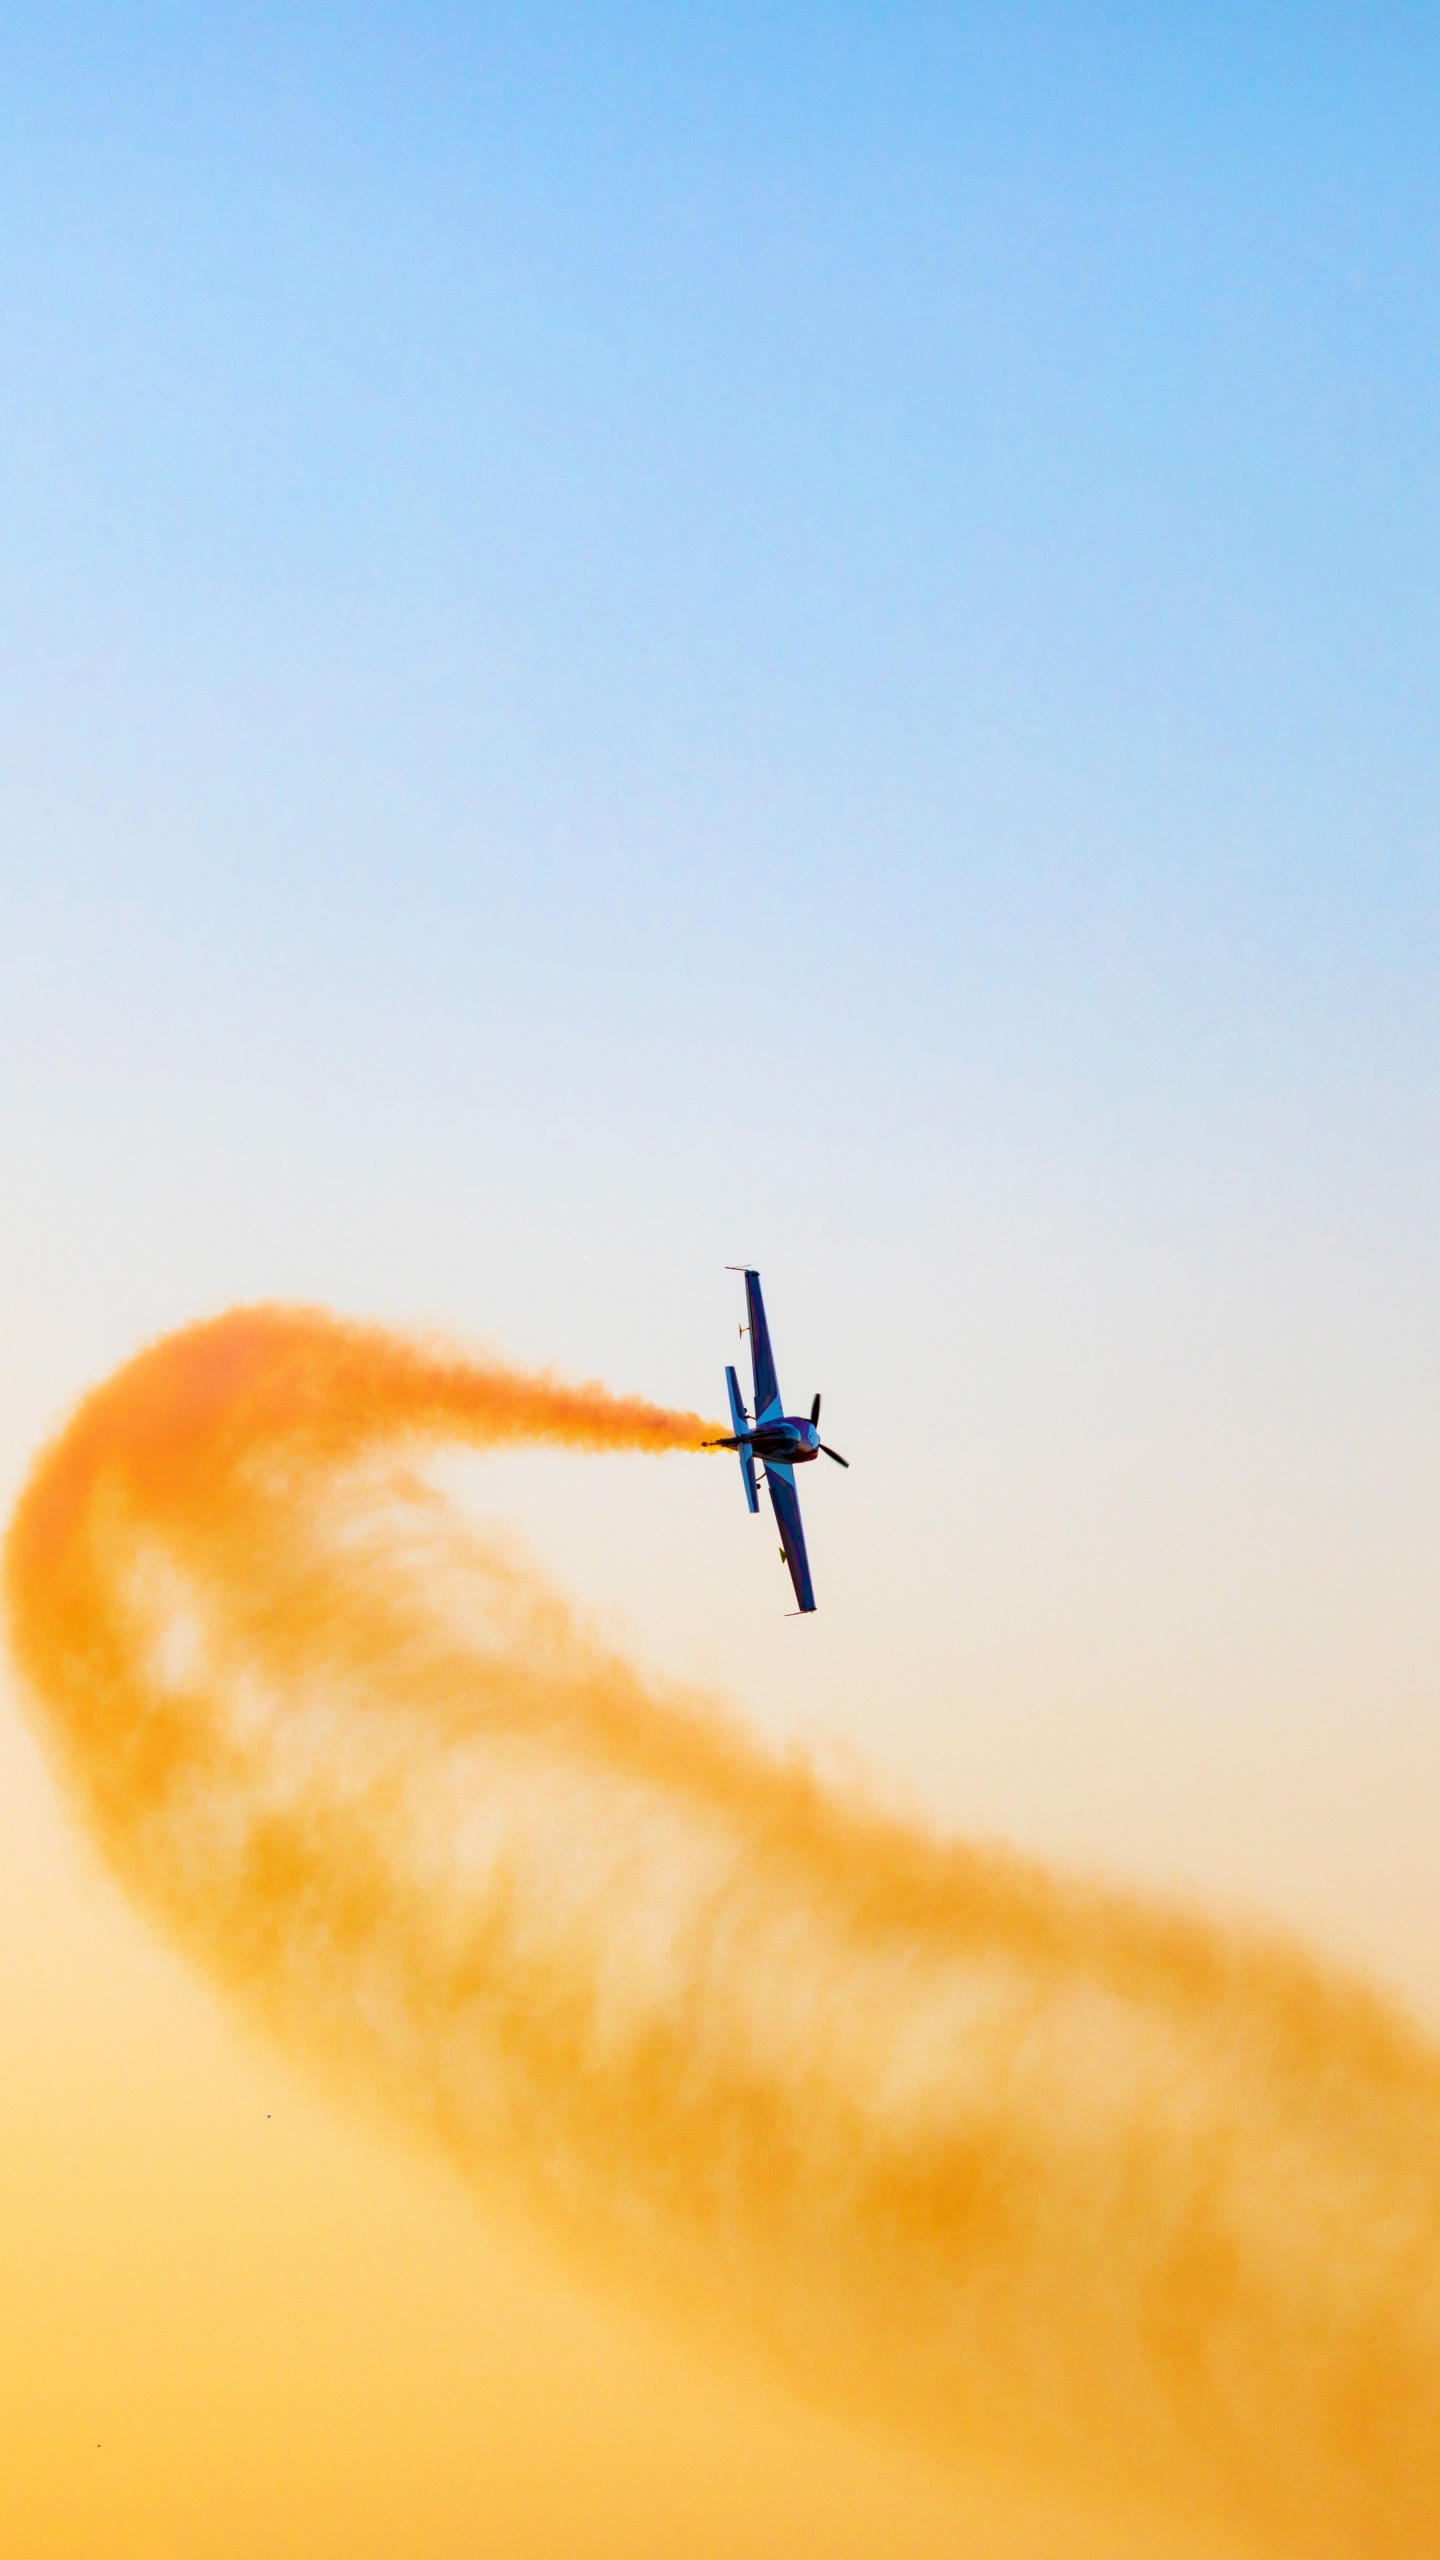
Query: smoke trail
{"x":1125,"y":2199}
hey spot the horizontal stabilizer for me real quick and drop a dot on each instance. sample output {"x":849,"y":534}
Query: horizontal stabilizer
{"x":741,"y":1421}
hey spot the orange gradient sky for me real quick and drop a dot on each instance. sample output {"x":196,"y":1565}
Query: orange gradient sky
{"x":636,"y":639}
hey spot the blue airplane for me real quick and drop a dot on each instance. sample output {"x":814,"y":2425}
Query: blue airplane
{"x":780,"y":1440}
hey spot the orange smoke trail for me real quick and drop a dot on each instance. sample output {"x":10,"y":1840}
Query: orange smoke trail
{"x":1113,"y":2195}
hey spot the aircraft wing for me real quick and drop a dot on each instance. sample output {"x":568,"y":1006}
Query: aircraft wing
{"x":767,"y":1392}
{"x":781,"y":1481}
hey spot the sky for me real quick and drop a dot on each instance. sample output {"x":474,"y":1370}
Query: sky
{"x":633,"y":639}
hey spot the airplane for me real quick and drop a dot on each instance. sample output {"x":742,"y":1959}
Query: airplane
{"x":780,"y":1440}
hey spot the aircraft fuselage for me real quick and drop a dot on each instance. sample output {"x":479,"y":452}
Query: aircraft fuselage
{"x":789,"y":1441}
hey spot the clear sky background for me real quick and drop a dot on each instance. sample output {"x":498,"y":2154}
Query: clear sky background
{"x":633,"y":637}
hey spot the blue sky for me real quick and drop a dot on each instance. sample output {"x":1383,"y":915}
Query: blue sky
{"x":956,"y":483}
{"x":636,"y":636}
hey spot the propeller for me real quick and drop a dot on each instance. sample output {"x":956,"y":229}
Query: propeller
{"x":830,"y":1453}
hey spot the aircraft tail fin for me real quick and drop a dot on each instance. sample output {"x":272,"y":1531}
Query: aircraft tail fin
{"x":741,"y":1421}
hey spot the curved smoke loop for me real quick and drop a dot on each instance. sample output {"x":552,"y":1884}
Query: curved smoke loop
{"x":1102,"y":2189}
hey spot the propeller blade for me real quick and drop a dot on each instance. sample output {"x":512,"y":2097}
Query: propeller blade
{"x":815,"y":1410}
{"x":835,"y":1454}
